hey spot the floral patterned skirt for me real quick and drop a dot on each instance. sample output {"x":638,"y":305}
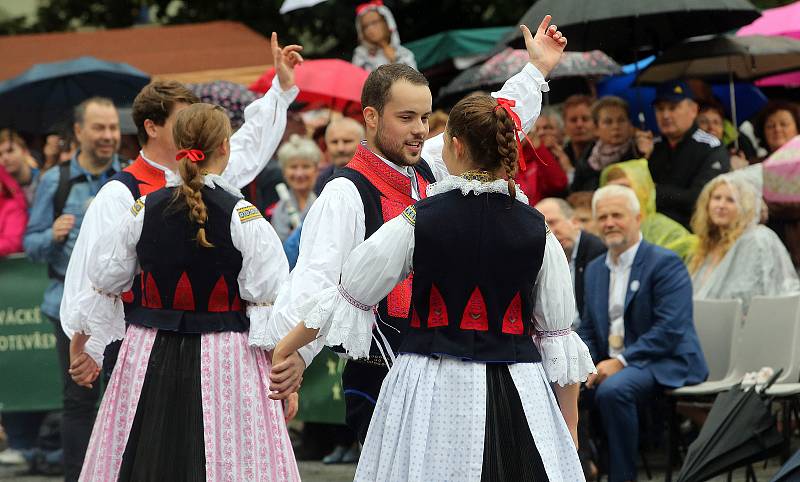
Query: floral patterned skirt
{"x":189,"y":408}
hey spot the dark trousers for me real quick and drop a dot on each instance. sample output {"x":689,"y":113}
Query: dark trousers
{"x":616,"y":402}
{"x":80,"y":405}
{"x":362,"y":384}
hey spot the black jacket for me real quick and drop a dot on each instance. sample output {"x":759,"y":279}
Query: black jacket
{"x":589,"y":248}
{"x":585,"y":177}
{"x":680,"y":172}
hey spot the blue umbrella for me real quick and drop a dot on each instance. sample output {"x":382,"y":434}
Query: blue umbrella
{"x":749,"y":98}
{"x":44,"y":95}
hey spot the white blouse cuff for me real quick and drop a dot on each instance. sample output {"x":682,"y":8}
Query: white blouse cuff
{"x":565,"y":357}
{"x":341,"y":320}
{"x":100,"y":315}
{"x":259,"y":314}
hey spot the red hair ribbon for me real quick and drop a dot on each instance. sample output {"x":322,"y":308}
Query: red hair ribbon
{"x":367,"y":5}
{"x":506,"y":105}
{"x":194,"y":155}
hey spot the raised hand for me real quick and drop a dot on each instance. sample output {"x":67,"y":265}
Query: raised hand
{"x":546,"y":47}
{"x":285,"y":59}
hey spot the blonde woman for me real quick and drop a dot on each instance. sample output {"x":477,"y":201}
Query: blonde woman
{"x":736,"y":257}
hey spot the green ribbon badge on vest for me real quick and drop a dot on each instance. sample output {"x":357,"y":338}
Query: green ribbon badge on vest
{"x":248,"y":213}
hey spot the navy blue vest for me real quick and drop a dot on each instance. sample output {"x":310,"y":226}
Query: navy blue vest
{"x":185,"y":287}
{"x":385,"y":193}
{"x":476,"y":260}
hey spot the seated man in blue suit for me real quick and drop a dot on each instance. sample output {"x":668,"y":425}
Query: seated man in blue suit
{"x":637,"y":323}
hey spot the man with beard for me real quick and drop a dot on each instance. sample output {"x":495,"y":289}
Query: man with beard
{"x":62,"y":197}
{"x":154,"y":111}
{"x":389,"y":172}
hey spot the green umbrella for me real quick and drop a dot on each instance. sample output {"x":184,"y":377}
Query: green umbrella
{"x":433,"y":50}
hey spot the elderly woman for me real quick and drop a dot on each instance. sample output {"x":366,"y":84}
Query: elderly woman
{"x":736,"y":257}
{"x":299,"y":160}
{"x":614,"y":143}
{"x":656,"y":228}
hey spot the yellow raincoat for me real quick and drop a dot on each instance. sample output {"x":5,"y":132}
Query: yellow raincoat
{"x":657,"y":228}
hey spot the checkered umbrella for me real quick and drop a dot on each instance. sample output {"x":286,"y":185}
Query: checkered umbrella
{"x":233,"y":97}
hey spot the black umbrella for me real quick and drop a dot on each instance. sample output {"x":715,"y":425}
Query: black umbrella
{"x":790,"y":470}
{"x":44,"y":95}
{"x":725,"y":57}
{"x":621,"y":27}
{"x":740,"y":429}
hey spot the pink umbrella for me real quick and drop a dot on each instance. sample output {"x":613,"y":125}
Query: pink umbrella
{"x":782,"y":174}
{"x":783,"y":21}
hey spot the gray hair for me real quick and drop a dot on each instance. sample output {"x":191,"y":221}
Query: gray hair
{"x":555,"y":117}
{"x":563,"y":206}
{"x":298,"y":148}
{"x":347,"y":123}
{"x":615,"y":190}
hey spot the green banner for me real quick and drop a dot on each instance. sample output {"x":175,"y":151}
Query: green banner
{"x":321,"y":396}
{"x":29,"y":371}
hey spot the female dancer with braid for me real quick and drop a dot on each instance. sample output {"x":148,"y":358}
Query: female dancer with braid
{"x":468,"y":397}
{"x":188,"y":397}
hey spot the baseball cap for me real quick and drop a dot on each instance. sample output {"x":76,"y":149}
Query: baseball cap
{"x":673,"y":91}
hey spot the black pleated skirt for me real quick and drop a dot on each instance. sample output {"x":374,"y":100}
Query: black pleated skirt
{"x":509,"y":452}
{"x":166,"y":440}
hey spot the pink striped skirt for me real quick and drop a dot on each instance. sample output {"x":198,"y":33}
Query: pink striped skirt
{"x":244,"y":432}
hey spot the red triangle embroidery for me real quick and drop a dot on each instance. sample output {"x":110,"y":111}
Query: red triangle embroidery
{"x":398,"y":303}
{"x":236,"y":305}
{"x":218,"y":301}
{"x":151,"y":298}
{"x":475,"y":316}
{"x":184,"y":298}
{"x":127,"y":296}
{"x":415,"y":323}
{"x":512,"y":320}
{"x":437,"y":313}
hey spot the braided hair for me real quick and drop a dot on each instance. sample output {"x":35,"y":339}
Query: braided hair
{"x":204,"y":127}
{"x":488,"y":133}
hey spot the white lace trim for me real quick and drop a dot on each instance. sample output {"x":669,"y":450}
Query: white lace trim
{"x":451,"y":183}
{"x":210,"y":180}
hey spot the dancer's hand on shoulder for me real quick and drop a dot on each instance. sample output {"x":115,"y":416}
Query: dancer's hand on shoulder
{"x":286,"y":375}
{"x":82,"y":367}
{"x":546,"y":47}
{"x":290,"y":406}
{"x":285,"y":60}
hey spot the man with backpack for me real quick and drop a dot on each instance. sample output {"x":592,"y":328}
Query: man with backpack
{"x":62,"y":197}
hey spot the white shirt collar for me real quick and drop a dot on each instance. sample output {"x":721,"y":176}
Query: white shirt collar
{"x":466,"y":186}
{"x":210,"y":180}
{"x":153,"y":163}
{"x":625,"y":260}
{"x":575,"y":246}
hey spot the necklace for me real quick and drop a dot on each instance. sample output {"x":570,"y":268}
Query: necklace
{"x":478,"y":175}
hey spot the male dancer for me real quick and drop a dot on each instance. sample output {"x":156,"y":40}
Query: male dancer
{"x":154,"y":110}
{"x":389,"y":172}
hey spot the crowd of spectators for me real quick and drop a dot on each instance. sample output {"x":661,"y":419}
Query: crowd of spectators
{"x":674,"y":215}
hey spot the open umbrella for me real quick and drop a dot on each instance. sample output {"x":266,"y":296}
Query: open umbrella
{"x":783,"y":21}
{"x":331,"y":83}
{"x":725,"y":56}
{"x":233,"y":97}
{"x":621,"y":27}
{"x":740,"y":429}
{"x":503,"y":66}
{"x":782,"y":174}
{"x":45,"y":94}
